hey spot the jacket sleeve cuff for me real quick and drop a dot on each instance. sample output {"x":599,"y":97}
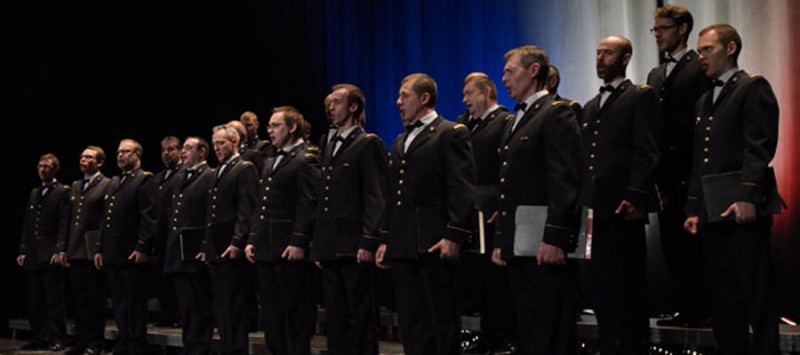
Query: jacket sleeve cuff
{"x":750,"y":192}
{"x":456,"y":234}
{"x":300,"y":240}
{"x":692,"y":206}
{"x":559,"y":236}
{"x":143,"y":247}
{"x":638,"y":198}
{"x":369,"y":243}
{"x":239,"y":241}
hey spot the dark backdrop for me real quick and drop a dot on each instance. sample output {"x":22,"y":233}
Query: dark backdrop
{"x":94,"y":72}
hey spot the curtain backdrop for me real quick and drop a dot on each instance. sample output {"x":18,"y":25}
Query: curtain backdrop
{"x":375,"y":44}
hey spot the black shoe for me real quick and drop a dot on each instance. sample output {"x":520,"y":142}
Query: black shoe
{"x":697,"y":322}
{"x":35,"y":345}
{"x":679,"y":320}
{"x":57,"y":346}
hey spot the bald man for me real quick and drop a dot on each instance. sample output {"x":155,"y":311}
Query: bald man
{"x":620,"y":156}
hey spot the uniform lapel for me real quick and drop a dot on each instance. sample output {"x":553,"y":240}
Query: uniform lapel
{"x":423,"y":136}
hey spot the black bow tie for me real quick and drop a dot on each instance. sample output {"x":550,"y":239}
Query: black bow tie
{"x":717,"y":82}
{"x":521,"y":106}
{"x":605,"y":88}
{"x":413,"y":126}
{"x":281,"y":153}
{"x":670,"y":58}
{"x":338,"y":138}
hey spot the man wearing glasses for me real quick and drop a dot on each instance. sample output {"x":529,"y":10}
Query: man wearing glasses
{"x":679,"y":81}
{"x":126,"y":237}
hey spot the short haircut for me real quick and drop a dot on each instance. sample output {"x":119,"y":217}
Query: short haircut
{"x":52,"y":157}
{"x":171,"y":140}
{"x":528,"y":56}
{"x":137,"y":148}
{"x":248,"y":115}
{"x":423,"y":83}
{"x":230,"y":133}
{"x":239,"y":127}
{"x":726,"y":34}
{"x":354,"y":96}
{"x":482,"y":82}
{"x":99,"y":153}
{"x":679,"y":14}
{"x":293,"y":117}
{"x":555,"y":76}
{"x":201,"y":143}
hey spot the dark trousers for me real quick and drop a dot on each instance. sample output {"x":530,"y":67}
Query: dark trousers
{"x":742,"y":283}
{"x":618,"y":271}
{"x":165,"y":291}
{"x":45,"y":289}
{"x":351,"y":317}
{"x":484,"y":288}
{"x":227,"y":286}
{"x":427,"y":305}
{"x":194,"y":304}
{"x":129,"y":299}
{"x":285,"y":306}
{"x":545,"y":300}
{"x":87,"y":289}
{"x":684,"y":258}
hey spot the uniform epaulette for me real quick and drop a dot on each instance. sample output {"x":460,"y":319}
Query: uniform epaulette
{"x":556,"y":103}
{"x":247,"y":163}
{"x":645,"y":87}
{"x":371,"y":135}
{"x":312,"y":148}
{"x":66,"y":188}
{"x":574,"y":103}
{"x":755,"y":76}
{"x":310,"y":155}
{"x":147,"y":173}
{"x":459,"y":125}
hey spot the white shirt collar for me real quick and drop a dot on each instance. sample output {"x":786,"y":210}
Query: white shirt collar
{"x":289,"y":148}
{"x":531,"y":99}
{"x":488,"y":111}
{"x":728,"y":74}
{"x":679,"y":54}
{"x":347,"y":132}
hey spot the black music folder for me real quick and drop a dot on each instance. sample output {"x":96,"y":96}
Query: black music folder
{"x":720,"y":190}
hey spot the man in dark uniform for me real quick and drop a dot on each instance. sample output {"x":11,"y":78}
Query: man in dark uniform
{"x":167,"y":180}
{"x":250,"y":122}
{"x":346,"y":231}
{"x":431,"y":184}
{"x":328,"y":135}
{"x":484,"y":287}
{"x":736,"y":130}
{"x":182,"y":255}
{"x":87,"y":288}
{"x":230,"y":212}
{"x":253,"y":155}
{"x":45,"y":223}
{"x":620,"y":129}
{"x":126,"y":238}
{"x":679,"y":81}
{"x":553,"y":82}
{"x":281,"y":236}
{"x":540,"y":158}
